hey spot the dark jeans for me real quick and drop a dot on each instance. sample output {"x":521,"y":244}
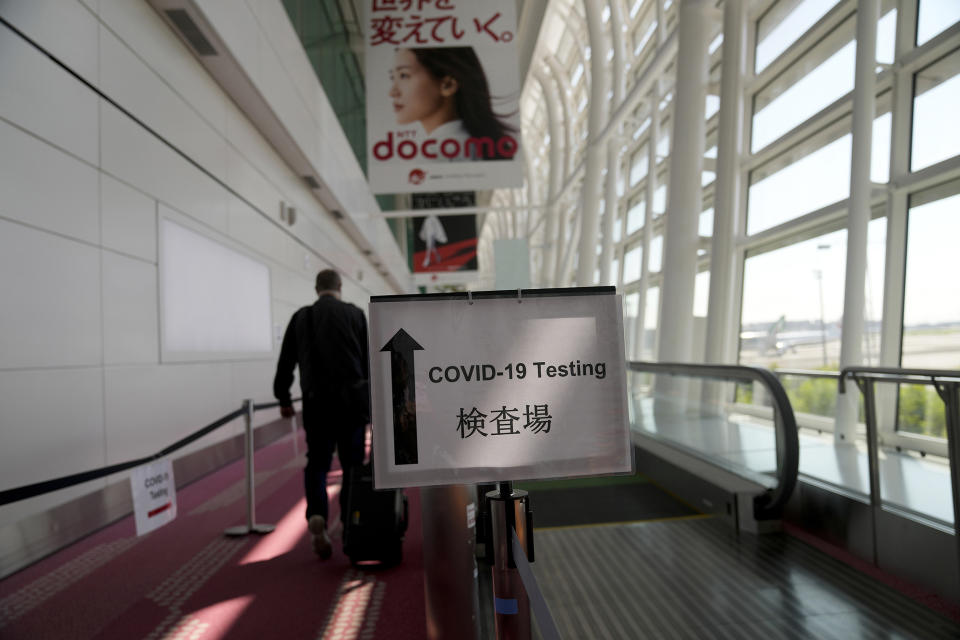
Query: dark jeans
{"x":327,"y":428}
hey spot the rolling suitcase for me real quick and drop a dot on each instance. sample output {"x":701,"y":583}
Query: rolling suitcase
{"x":376,"y":520}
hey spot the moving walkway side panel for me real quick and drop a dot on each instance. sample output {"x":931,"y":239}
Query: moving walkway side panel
{"x":712,"y":491}
{"x":915,"y":550}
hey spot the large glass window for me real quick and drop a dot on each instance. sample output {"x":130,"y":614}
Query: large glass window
{"x":632,"y":264}
{"x":631,"y":316}
{"x":712,"y":105}
{"x":660,"y":200}
{"x":793,"y":302}
{"x":880,"y":153}
{"x":639,"y":163}
{"x":656,"y":253}
{"x":643,"y":33}
{"x":886,"y":37}
{"x":787,"y":103}
{"x":815,"y":180}
{"x":705,"y":228}
{"x":780,"y":27}
{"x":701,"y":294}
{"x":663,"y":146}
{"x":936,"y":134}
{"x":651,"y":316}
{"x":934,"y":16}
{"x":931,"y":305}
{"x":636,"y":215}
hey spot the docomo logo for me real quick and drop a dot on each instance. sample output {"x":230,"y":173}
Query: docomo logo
{"x":449,"y":148}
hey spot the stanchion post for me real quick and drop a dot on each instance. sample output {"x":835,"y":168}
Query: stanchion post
{"x":251,"y":526}
{"x":508,"y":510}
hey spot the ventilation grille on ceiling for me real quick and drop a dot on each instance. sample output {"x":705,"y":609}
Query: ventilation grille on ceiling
{"x":191,"y":32}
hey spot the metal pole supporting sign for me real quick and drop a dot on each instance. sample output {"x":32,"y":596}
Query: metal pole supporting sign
{"x":250,"y":527}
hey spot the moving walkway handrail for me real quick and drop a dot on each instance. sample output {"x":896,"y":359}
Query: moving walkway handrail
{"x":47,"y":486}
{"x":768,"y":505}
{"x":806,"y":373}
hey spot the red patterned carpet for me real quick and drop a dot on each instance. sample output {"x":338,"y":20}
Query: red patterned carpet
{"x":187,"y":580}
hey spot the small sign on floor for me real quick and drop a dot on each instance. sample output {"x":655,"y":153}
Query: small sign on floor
{"x":154,"y":495}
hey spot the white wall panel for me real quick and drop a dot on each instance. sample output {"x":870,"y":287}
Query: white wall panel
{"x":292,"y":289}
{"x":255,"y":380}
{"x":151,"y":407}
{"x":41,"y":97}
{"x":52,"y":424}
{"x":251,"y":229}
{"x":250,"y":183}
{"x":283,"y":39}
{"x":137,"y":157}
{"x":128,"y":219}
{"x":130,"y":330}
{"x":284,"y":310}
{"x":65,"y":28}
{"x":284,"y":257}
{"x":235,"y":23}
{"x":50,"y":288}
{"x":142,"y":29}
{"x":247,"y":141}
{"x":46,"y":187}
{"x":134,"y":86}
{"x":278,"y":88}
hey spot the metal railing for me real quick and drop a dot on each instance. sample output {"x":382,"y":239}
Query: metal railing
{"x":947,"y":385}
{"x":768,"y":505}
{"x":247,"y":410}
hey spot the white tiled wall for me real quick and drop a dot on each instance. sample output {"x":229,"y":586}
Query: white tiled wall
{"x":50,"y":316}
{"x":46,"y":188}
{"x":83,"y":179}
{"x":128,"y":220}
{"x":38,"y":96}
{"x":130,"y":330}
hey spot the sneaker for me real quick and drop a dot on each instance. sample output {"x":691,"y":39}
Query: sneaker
{"x":321,"y":541}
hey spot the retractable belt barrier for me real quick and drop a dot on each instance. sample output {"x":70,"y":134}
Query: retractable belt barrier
{"x":48,"y":486}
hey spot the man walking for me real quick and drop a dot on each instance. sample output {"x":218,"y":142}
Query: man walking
{"x":328,"y":342}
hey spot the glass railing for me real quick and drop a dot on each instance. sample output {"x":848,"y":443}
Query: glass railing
{"x":691,"y":407}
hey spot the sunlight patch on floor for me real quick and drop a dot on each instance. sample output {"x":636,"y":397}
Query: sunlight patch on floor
{"x":355,"y":611}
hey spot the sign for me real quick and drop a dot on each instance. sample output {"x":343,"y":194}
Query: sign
{"x":442,"y":89}
{"x":442,"y":244}
{"x":154,"y":495}
{"x":498,"y":387}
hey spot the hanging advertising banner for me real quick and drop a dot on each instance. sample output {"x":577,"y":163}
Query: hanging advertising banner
{"x":442,"y":244}
{"x":443,"y":89}
{"x":498,"y":386}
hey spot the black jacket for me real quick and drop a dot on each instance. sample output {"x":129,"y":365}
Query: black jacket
{"x":328,"y":341}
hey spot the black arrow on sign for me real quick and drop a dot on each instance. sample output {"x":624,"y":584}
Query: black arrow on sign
{"x":401,"y":347}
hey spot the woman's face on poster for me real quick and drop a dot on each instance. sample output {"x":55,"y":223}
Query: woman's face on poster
{"x":416,"y":94}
